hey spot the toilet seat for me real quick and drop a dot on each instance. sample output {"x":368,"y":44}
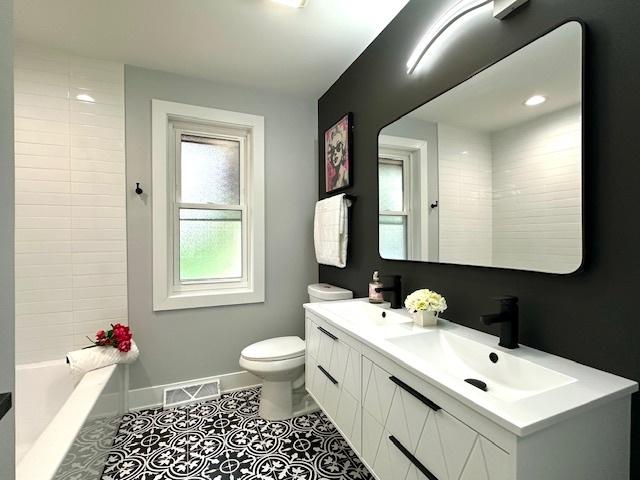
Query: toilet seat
{"x":273,"y":369}
{"x":274,"y":349}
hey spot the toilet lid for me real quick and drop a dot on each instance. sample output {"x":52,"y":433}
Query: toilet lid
{"x":280,"y":348}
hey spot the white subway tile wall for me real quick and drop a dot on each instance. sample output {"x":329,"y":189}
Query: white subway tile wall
{"x":537,"y":185}
{"x":71,"y":270}
{"x":464,"y":169}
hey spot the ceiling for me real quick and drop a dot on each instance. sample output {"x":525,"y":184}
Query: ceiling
{"x":493,"y":99}
{"x":253,"y":43}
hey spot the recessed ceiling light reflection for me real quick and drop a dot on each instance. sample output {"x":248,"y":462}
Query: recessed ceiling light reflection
{"x":84,"y":97}
{"x":535,"y":100}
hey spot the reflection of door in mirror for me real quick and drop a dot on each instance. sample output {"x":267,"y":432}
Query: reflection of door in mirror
{"x":502,"y":184}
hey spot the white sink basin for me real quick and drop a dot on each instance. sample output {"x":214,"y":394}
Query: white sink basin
{"x":509,"y":379}
{"x":364,"y":313}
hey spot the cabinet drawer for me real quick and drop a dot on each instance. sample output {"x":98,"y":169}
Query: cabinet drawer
{"x":404,"y":431}
{"x":342,"y":408}
{"x":327,"y":347}
{"x":312,"y":338}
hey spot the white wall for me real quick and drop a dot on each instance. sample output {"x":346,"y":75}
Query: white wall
{"x":181,"y":345}
{"x":537,"y":223}
{"x":7,"y":370}
{"x":70,"y":201}
{"x":464,"y":158}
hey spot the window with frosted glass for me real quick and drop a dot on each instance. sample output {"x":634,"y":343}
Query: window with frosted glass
{"x":393,"y":237}
{"x":210,"y":170}
{"x":391,"y":180}
{"x":210,"y":244}
{"x":210,"y":211}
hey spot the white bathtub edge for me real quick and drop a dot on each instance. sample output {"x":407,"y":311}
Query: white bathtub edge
{"x":43,"y":459}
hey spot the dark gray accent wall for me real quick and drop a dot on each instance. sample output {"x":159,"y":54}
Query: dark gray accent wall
{"x":7,"y":302}
{"x":590,"y":317}
{"x":182,"y":345}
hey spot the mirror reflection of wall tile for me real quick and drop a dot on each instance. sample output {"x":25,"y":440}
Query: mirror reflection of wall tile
{"x":537,"y":211}
{"x":465,"y":176}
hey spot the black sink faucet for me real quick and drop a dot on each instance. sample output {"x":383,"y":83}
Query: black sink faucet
{"x":396,"y":289}
{"x":508,"y":320}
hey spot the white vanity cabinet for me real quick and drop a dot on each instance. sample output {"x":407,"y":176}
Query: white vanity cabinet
{"x":407,"y":435}
{"x":333,"y":377}
{"x":405,"y":426}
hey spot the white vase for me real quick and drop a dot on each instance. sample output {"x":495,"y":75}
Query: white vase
{"x":425,"y":318}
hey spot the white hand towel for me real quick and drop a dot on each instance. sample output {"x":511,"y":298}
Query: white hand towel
{"x":83,"y":361}
{"x":331,"y":231}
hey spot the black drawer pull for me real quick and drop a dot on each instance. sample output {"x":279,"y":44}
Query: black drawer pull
{"x":433,"y":406}
{"x":328,"y":375}
{"x":412,"y":459}
{"x":328,"y":334}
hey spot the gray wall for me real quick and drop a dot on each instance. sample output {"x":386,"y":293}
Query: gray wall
{"x":186,"y":344}
{"x":6,"y":234}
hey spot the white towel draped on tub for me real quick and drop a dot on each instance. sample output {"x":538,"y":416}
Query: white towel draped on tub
{"x":331,"y":231}
{"x":83,"y":361}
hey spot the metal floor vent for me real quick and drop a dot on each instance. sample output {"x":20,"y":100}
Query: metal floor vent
{"x":188,"y":393}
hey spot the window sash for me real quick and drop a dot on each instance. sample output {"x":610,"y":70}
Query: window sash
{"x":403,"y":160}
{"x":405,"y":242}
{"x":178,"y":130}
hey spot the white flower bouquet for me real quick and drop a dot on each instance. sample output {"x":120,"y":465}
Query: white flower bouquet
{"x":425,"y":305}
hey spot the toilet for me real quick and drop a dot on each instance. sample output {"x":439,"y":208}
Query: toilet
{"x":279,"y":363}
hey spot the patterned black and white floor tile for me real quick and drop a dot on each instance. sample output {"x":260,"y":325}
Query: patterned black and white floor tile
{"x":225,"y":439}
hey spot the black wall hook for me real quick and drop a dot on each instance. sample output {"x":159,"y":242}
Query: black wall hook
{"x":434,"y":205}
{"x":138,"y":189}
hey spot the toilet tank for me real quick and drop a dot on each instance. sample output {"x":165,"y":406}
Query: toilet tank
{"x":323,"y":292}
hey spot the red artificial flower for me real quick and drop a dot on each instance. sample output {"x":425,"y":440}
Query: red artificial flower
{"x":118,"y":337}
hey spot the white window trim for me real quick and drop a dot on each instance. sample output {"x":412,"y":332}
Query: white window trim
{"x":417,"y":241}
{"x":165,"y":295}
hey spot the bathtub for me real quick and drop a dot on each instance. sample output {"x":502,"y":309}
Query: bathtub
{"x":53,"y":408}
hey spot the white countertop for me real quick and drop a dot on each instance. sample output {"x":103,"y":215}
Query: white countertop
{"x":590,"y":389}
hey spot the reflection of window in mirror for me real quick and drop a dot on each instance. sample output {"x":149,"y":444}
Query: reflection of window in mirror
{"x":394,"y":211}
{"x":404,"y":217}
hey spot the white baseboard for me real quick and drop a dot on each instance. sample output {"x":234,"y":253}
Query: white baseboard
{"x":150,"y":397}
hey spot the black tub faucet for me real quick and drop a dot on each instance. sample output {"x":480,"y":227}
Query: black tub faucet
{"x":396,"y":289}
{"x":508,"y":320}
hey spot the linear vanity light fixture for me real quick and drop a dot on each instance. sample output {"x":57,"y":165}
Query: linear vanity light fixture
{"x":458,"y":10}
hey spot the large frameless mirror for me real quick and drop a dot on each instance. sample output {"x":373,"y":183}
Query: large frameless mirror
{"x":490,"y":172}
